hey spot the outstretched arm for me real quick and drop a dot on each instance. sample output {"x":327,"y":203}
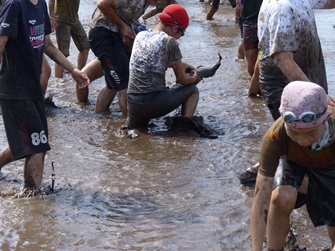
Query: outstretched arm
{"x":286,"y":63}
{"x":259,"y":211}
{"x":50,"y":50}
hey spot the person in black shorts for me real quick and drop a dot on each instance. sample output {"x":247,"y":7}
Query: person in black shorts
{"x":25,"y":35}
{"x":111,"y":38}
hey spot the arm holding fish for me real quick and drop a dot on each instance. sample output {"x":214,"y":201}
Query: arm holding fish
{"x":185,"y":73}
{"x":52,"y":52}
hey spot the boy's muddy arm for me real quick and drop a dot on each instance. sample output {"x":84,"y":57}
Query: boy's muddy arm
{"x":51,"y":51}
{"x":259,"y":211}
{"x":185,"y":73}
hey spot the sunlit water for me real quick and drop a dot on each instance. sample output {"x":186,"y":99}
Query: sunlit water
{"x":161,"y":191}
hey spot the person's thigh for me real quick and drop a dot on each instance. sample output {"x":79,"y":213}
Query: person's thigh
{"x":141,"y":109}
{"x":107,"y":46}
{"x":288,"y":174}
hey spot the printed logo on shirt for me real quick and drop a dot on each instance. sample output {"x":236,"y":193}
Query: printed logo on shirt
{"x":37,"y":35}
{"x":5,"y":25}
{"x":33,"y":22}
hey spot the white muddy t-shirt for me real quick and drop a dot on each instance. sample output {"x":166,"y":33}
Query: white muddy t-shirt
{"x":318,"y":4}
{"x":151,"y":55}
{"x":289,"y":26}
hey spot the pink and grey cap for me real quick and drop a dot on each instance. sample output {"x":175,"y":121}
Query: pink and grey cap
{"x":300,"y":97}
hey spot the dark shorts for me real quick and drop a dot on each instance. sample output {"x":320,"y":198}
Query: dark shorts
{"x":26,"y":127}
{"x":215,"y":4}
{"x":272,"y":82}
{"x":321,"y":189}
{"x":250,"y":39}
{"x":143,"y":107}
{"x":107,"y":47}
{"x":65,"y":31}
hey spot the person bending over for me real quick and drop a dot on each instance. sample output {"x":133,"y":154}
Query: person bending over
{"x":154,"y":51}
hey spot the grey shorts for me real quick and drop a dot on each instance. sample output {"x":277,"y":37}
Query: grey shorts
{"x":321,"y":189}
{"x":65,"y":31}
{"x":143,"y":107}
{"x":26,"y":127}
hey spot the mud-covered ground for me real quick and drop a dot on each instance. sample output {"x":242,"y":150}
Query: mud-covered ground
{"x":162,"y":191}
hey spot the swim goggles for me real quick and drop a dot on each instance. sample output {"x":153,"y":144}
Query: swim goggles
{"x":306,"y":117}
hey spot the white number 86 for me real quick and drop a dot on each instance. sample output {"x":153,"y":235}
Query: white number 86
{"x":38,"y":138}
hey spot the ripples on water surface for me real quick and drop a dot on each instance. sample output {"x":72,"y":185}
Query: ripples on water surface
{"x":161,"y":191}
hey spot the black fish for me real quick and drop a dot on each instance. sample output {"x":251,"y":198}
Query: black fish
{"x":206,"y":72}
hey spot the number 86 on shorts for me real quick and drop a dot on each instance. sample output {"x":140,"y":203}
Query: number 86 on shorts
{"x":38,"y":138}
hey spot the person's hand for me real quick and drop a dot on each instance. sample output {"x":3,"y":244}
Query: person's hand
{"x":81,"y":78}
{"x":53,"y":23}
{"x":239,"y":8}
{"x":331,"y":101}
{"x":196,"y":77}
{"x":128,"y":37}
{"x":141,"y":21}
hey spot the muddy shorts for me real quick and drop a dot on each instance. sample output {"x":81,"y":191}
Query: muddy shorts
{"x":65,"y":31}
{"x":107,"y":47}
{"x":250,"y":39}
{"x":321,"y":189}
{"x":143,"y":107}
{"x":272,"y":82}
{"x":215,"y":4}
{"x":26,"y":127}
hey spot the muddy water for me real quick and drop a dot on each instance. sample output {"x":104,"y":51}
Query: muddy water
{"x":161,"y":191}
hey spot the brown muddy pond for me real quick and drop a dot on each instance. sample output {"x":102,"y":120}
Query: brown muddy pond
{"x":162,"y":191}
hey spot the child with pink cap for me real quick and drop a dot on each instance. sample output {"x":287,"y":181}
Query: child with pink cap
{"x":300,"y":143}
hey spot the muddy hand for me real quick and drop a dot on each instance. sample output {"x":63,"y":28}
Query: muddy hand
{"x":81,"y":78}
{"x":128,"y":37}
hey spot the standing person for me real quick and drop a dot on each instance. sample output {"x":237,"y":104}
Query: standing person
{"x":26,"y":36}
{"x":158,"y":9}
{"x":300,"y":143}
{"x":249,"y":15}
{"x":111,"y":39}
{"x":65,"y":21}
{"x":215,"y":7}
{"x":290,"y":50}
{"x":153,"y":52}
